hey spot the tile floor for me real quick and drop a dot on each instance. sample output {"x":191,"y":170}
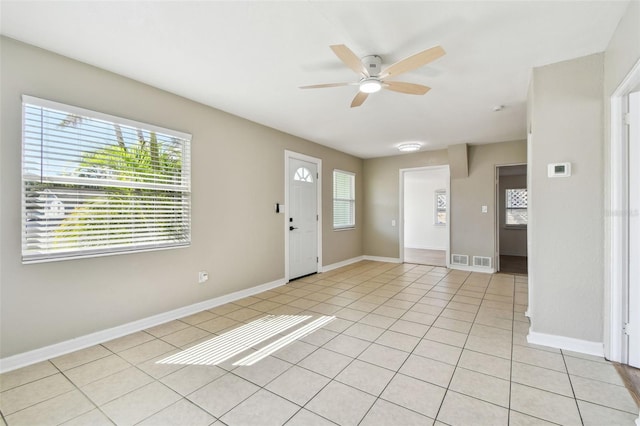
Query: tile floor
{"x":411,"y":345}
{"x":425,"y":256}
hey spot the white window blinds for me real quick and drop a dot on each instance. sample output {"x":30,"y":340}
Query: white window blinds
{"x":95,"y":184}
{"x":344,"y":200}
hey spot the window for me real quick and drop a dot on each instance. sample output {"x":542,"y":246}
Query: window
{"x":516,"y":207}
{"x":344,"y":200}
{"x":95,"y":184}
{"x":441,"y":207}
{"x":303,"y":175}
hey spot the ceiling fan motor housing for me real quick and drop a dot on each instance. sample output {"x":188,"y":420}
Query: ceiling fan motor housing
{"x":373,"y":64}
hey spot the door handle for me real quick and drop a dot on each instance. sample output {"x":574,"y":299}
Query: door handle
{"x":291,"y":228}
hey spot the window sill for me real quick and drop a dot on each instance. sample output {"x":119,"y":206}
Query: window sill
{"x":515,"y":227}
{"x":346,"y":228}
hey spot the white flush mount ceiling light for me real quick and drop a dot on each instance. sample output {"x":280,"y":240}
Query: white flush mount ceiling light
{"x":409,"y":146}
{"x":370,"y":85}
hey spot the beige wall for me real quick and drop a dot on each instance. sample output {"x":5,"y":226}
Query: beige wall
{"x":237,"y":177}
{"x":381,"y":198}
{"x":472,"y":233}
{"x":566,"y":247}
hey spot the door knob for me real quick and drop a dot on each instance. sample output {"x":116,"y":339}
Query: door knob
{"x":291,"y":228}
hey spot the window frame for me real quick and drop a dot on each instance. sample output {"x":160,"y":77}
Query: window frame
{"x":507,"y":209}
{"x":436,"y":209}
{"x":177,"y":187}
{"x":352,"y":200}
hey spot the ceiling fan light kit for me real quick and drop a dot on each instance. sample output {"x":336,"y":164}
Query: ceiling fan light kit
{"x":370,"y":85}
{"x":409,"y":147}
{"x":373,"y":78}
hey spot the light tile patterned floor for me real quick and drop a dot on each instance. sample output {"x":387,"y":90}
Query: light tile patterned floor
{"x":411,"y":345}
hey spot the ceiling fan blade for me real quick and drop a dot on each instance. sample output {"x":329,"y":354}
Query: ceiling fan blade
{"x":322,"y":86}
{"x":349,"y":58}
{"x":408,"y":88}
{"x":413,"y":62}
{"x":359,"y":99}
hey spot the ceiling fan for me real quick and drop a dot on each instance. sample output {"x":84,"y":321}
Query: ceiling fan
{"x":373,"y":79}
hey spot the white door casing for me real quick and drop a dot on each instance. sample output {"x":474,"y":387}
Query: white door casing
{"x":634,"y":230}
{"x":401,"y":213}
{"x":499,"y":209}
{"x":302,"y":215}
{"x":619,"y":307}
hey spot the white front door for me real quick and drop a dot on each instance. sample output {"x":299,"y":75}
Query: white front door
{"x":303,"y":218}
{"x":634,"y":229}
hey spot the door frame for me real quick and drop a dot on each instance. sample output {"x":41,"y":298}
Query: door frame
{"x":401,"y":209}
{"x":318,"y":162}
{"x":616,"y":224}
{"x":498,"y":207}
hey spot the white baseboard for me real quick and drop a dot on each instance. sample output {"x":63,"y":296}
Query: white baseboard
{"x":472,"y":268}
{"x":337,"y":265}
{"x":568,"y":343}
{"x":428,"y":248}
{"x":57,"y":349}
{"x":382,"y":259}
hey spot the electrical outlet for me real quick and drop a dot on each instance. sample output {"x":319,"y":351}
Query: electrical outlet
{"x":203,"y":277}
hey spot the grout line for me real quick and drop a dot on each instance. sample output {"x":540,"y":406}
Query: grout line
{"x":370,"y":344}
{"x":97,"y":407}
{"x":513,"y":319}
{"x":573,"y":392}
{"x":390,"y":276}
{"x":297,"y":364}
{"x":463,"y":346}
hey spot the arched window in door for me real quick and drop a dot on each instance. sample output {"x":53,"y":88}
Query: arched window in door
{"x":303,"y":175}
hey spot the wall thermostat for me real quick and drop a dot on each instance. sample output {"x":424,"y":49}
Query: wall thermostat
{"x":559,"y":169}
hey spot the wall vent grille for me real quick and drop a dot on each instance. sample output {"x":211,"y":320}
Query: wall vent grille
{"x":482,"y":261}
{"x":459,"y":259}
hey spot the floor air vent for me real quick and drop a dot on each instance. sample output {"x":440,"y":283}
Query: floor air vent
{"x":482,"y":261}
{"x":459,"y":259}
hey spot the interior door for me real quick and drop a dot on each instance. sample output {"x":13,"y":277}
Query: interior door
{"x":303,"y":218}
{"x":634,"y":229}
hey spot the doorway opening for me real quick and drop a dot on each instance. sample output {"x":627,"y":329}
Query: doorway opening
{"x":424,"y":215}
{"x":511,"y":219}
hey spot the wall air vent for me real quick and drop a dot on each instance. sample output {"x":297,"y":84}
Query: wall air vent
{"x":482,"y":261}
{"x":459,"y":259}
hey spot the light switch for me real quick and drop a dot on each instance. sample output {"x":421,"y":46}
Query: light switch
{"x":485,"y":209}
{"x":393,"y":222}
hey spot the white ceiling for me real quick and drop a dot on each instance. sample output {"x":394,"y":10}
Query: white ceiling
{"x":249,"y":58}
